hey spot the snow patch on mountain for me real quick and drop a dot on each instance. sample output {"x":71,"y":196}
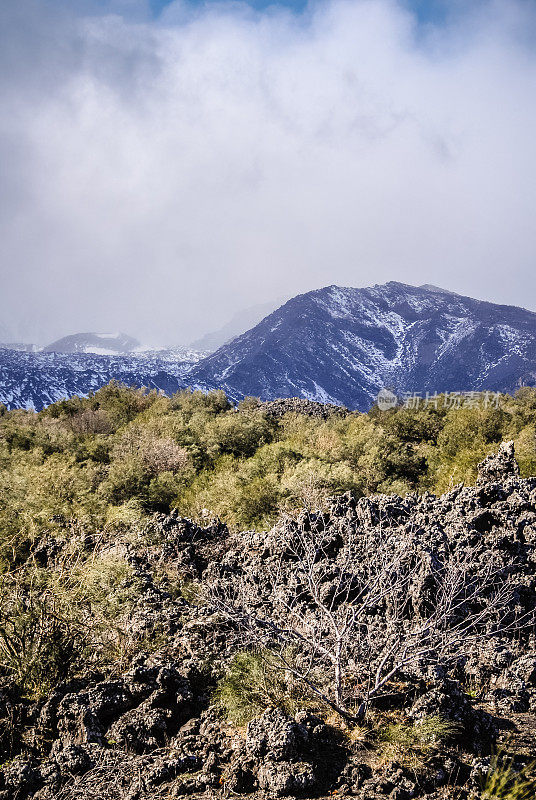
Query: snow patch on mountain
{"x":346,"y":343}
{"x":337,"y":345}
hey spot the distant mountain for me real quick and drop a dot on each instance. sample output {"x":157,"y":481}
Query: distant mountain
{"x":34,"y":380}
{"x":341,"y":345}
{"x":241,"y":322}
{"x":173,"y":353}
{"x":333,"y":345}
{"x":100,"y":343}
{"x":25,"y":346}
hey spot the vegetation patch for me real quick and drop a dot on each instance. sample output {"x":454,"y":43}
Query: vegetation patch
{"x":412,"y":744}
{"x":502,"y":781}
{"x":253,"y":682}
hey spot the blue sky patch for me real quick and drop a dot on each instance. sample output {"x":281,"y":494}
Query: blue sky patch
{"x":427,"y":11}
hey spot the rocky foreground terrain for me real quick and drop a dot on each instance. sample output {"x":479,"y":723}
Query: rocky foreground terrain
{"x":431,"y":595}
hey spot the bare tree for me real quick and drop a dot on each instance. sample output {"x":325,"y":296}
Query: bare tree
{"x":347,"y":612}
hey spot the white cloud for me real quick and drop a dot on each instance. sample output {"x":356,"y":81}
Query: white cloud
{"x":160,"y":175}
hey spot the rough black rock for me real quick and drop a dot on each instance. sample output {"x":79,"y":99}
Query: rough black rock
{"x":151,"y":729}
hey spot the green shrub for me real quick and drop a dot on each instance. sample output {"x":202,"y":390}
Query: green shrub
{"x":39,"y":641}
{"x":190,"y":402}
{"x":503,"y":782}
{"x":310,"y":483}
{"x":127,"y":478}
{"x":83,"y":457}
{"x":236,"y":491}
{"x":412,"y":744}
{"x":87,"y":469}
{"x":251,"y":684}
{"x":238,"y":434}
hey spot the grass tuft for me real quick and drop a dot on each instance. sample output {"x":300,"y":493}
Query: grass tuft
{"x":253,"y":683}
{"x":413,"y":744}
{"x":503,"y":782}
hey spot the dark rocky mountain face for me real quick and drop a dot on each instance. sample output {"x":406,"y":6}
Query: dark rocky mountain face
{"x":342,"y":345}
{"x":334,"y":345}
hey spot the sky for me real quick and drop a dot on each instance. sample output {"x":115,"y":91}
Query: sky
{"x":425,"y":10}
{"x":165,"y":164}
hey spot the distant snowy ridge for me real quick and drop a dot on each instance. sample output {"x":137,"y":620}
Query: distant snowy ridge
{"x":34,"y":380}
{"x":99,"y":343}
{"x":342,"y":345}
{"x":334,"y":345}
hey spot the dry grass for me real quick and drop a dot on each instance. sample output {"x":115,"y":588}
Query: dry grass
{"x":503,"y":782}
{"x":411,"y":745}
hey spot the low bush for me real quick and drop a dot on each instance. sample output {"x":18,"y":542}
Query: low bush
{"x":411,"y":745}
{"x":253,"y":683}
{"x":39,"y":641}
{"x":83,"y":457}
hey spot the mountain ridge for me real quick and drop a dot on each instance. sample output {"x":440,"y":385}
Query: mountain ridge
{"x":93,"y":342}
{"x":240,"y":321}
{"x":338,"y":345}
{"x":342,"y":345}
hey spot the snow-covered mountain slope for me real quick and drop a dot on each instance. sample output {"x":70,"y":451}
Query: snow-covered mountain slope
{"x":105,"y":344}
{"x":173,"y":353}
{"x":335,"y":345}
{"x":342,"y":345}
{"x":34,"y":380}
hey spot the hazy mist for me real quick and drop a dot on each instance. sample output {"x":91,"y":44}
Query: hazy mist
{"x":159,"y":175}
